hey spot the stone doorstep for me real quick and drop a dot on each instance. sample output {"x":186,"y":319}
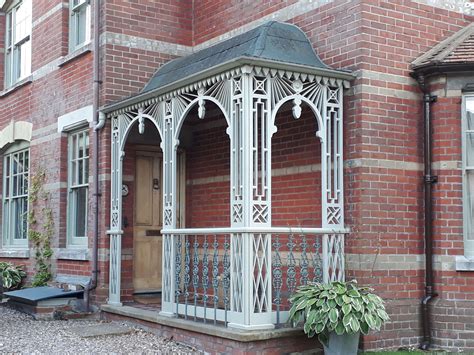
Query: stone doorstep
{"x":208,"y":329}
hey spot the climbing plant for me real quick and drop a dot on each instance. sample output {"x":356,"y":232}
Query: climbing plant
{"x":41,"y":227}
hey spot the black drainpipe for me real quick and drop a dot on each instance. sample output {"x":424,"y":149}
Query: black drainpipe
{"x":428,"y":180}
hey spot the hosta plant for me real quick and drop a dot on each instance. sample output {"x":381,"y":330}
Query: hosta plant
{"x":339,"y":307}
{"x":11,"y":275}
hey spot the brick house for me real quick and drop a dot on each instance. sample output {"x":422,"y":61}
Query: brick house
{"x":151,"y":165}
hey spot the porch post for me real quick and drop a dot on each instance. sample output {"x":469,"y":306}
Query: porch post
{"x":115,"y":231}
{"x":169,"y":146}
{"x":332,"y":181}
{"x":250,"y":202}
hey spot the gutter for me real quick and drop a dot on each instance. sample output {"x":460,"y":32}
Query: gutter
{"x":428,"y":180}
{"x":99,"y":123}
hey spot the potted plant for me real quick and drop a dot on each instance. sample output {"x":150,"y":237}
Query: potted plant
{"x":337,"y":312}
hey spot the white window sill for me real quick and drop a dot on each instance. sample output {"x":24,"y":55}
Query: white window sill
{"x":15,"y":253}
{"x":75,"y":54}
{"x":464,"y":264}
{"x":72,"y":254}
{"x":16,"y":86}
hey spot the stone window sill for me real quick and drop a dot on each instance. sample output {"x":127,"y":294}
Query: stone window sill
{"x":76,"y":54}
{"x":464,"y":264}
{"x":15,"y":253}
{"x":16,"y":86}
{"x":72,"y":254}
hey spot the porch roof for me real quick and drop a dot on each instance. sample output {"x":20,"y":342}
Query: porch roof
{"x":276,"y":45}
{"x":275,"y":41}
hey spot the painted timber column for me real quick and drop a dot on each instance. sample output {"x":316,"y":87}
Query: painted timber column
{"x":168,"y":147}
{"x":250,"y":203}
{"x":332,"y":181}
{"x":118,"y":129}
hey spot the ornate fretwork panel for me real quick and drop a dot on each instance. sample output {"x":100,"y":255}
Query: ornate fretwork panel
{"x":169,"y":158}
{"x":236,"y":158}
{"x":332,"y":181}
{"x":260,"y":151}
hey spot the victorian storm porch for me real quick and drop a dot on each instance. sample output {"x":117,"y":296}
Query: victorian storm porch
{"x":242,"y":145}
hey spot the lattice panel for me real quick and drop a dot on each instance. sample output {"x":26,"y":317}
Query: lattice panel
{"x":334,"y":215}
{"x":260,"y":213}
{"x":237,"y":272}
{"x":237,"y":211}
{"x":115,"y":260}
{"x":335,"y":257}
{"x":261,"y":279}
{"x":115,"y":220}
{"x":168,"y":220}
{"x":333,"y":95}
{"x":167,"y":267}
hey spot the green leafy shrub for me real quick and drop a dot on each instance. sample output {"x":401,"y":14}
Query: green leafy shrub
{"x":340,"y":307}
{"x":11,"y":275}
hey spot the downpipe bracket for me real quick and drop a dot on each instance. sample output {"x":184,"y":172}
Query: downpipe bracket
{"x":431,"y":179}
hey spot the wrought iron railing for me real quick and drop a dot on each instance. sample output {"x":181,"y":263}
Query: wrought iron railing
{"x":219,"y":274}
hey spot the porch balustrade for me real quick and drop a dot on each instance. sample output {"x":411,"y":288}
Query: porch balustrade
{"x":210,"y":272}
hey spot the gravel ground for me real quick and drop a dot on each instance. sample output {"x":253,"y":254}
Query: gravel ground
{"x":21,"y":334}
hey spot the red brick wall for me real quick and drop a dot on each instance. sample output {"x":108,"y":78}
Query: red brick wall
{"x":382,"y":129}
{"x":58,"y":90}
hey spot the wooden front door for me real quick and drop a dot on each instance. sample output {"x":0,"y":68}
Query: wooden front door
{"x":147,"y":239}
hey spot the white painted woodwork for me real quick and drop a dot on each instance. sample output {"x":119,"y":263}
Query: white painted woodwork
{"x":249,"y":98}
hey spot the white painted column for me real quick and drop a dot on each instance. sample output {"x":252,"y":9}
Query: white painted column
{"x":250,"y":252}
{"x":169,"y":147}
{"x":332,"y":181}
{"x":115,"y":231}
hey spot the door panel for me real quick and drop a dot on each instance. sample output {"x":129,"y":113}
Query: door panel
{"x":147,"y":240}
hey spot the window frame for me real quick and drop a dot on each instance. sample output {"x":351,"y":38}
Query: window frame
{"x":15,"y":70}
{"x":73,"y":241}
{"x":74,"y":13}
{"x":467,"y":224}
{"x":8,"y":241}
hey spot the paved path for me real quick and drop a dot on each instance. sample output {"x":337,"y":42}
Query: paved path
{"x":21,"y":334}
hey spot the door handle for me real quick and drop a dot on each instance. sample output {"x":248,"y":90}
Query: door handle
{"x":156,"y":184}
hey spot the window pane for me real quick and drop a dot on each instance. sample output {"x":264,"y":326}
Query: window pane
{"x":81,"y":23}
{"x":81,"y":210}
{"x":80,"y":169}
{"x":25,"y":60}
{"x":23,"y":21}
{"x":20,"y":211}
{"x":470,"y":115}
{"x":9,"y":29}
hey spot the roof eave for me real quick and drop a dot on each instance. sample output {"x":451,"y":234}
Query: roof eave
{"x":232,"y":64}
{"x":441,"y":68}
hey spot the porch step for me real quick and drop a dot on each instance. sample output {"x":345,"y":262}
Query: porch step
{"x":214,"y":338}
